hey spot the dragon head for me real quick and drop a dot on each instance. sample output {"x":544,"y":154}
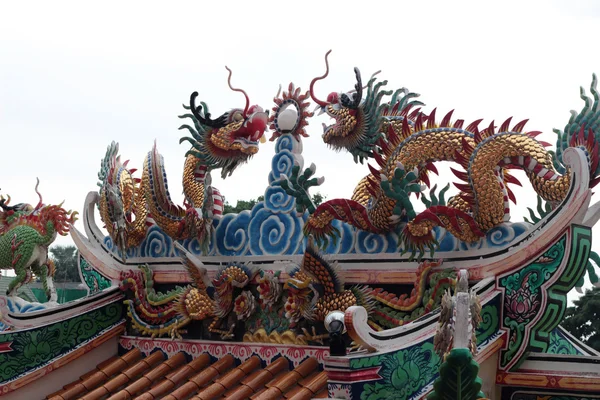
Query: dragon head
{"x":117,"y":198}
{"x":225,"y":281}
{"x":229,"y":140}
{"x":301,"y":297}
{"x":60,"y":218}
{"x":117,"y":216}
{"x":356,"y":119}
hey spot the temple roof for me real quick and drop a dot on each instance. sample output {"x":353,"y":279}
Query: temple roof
{"x":154,"y":376}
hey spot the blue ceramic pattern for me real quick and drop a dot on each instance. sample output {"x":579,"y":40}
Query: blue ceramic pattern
{"x":273,"y":227}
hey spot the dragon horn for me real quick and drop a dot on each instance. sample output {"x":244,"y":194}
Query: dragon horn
{"x":4,"y":202}
{"x":219,"y":122}
{"x":39,"y":205}
{"x":238,"y":90}
{"x":346,"y":102}
{"x":365,"y":86}
{"x":318,"y":78}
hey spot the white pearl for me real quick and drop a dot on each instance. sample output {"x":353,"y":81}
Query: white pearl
{"x":287,"y":119}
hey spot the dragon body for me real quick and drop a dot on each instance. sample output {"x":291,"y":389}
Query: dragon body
{"x":315,"y":289}
{"x":122,"y":203}
{"x":222,"y":143}
{"x":26,"y":232}
{"x":425,"y":296}
{"x":156,"y":313}
{"x":404,"y":143}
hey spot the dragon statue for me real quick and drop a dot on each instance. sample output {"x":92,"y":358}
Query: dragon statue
{"x":405,"y":142}
{"x":26,"y":232}
{"x":156,"y":313}
{"x":128,"y":206}
{"x":309,"y":294}
{"x":315,"y":289}
{"x":425,"y":296}
{"x":122,"y":203}
{"x":444,"y":337}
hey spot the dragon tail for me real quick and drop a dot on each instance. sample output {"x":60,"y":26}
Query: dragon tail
{"x":170,"y":325}
{"x":418,"y":234}
{"x":154,"y":306}
{"x":406,"y":303}
{"x":320,"y":224}
{"x":166,"y":214}
{"x":394,"y":312}
{"x":582,"y":131}
{"x":364,"y":298}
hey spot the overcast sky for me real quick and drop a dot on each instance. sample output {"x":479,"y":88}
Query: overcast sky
{"x":75,"y":76}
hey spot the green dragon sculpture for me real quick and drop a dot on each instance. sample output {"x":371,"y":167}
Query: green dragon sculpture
{"x":26,"y":232}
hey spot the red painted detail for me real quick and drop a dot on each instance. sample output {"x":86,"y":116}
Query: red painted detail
{"x":431,"y":119}
{"x":549,"y":175}
{"x":519,"y":127}
{"x":446,"y":119}
{"x":5,"y":347}
{"x":506,"y":125}
{"x":369,"y":374}
{"x":537,"y":168}
{"x":348,"y":207}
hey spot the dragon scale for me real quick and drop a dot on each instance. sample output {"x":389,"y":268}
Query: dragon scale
{"x":134,"y":202}
{"x":168,"y":216}
{"x":405,"y":143}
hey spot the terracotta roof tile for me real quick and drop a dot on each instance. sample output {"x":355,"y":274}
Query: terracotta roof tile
{"x":174,"y":379}
{"x":238,"y":393}
{"x":228,"y":380}
{"x":101,"y":374}
{"x":294,"y":391}
{"x":202,"y":378}
{"x":149,"y":378}
{"x":125,"y":377}
{"x":133,"y":377}
{"x":308,"y":387}
{"x":257,"y":380}
{"x":284,"y":383}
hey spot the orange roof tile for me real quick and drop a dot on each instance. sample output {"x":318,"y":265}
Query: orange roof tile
{"x":284,"y":383}
{"x":229,"y":380}
{"x":133,"y":376}
{"x":201,"y":379}
{"x":101,"y":374}
{"x":175,"y":378}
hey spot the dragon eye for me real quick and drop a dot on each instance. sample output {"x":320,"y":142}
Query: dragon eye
{"x":237,"y":116}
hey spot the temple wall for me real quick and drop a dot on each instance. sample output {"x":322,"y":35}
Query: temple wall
{"x":55,"y":380}
{"x":487,"y":373}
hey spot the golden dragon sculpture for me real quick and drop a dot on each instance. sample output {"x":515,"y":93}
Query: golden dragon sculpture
{"x":157,"y":313}
{"x":316,"y":288}
{"x":404,"y":142}
{"x":129,"y":205}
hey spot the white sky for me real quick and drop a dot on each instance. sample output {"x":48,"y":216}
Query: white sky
{"x":75,"y":76}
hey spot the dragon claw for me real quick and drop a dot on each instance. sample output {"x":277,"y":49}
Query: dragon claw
{"x":313,"y":336}
{"x":298,"y":184}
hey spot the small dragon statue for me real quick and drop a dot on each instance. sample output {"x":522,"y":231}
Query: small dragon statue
{"x":156,"y":313}
{"x":315,"y":289}
{"x":26,"y":232}
{"x":447,"y":329}
{"x":122,"y":203}
{"x":396,"y":310}
{"x":222,"y":143}
{"x":404,"y":143}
